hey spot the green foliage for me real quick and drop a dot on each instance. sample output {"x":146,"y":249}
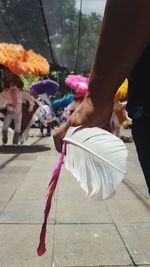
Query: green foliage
{"x":53,"y":75}
{"x":28,"y":80}
{"x":64,"y":29}
{"x":76,"y":46}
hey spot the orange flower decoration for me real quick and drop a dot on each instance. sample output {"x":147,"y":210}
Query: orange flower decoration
{"x":21,"y":61}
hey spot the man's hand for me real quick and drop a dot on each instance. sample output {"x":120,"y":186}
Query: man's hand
{"x":30,"y":109}
{"x":88,"y":114}
{"x":121,"y":43}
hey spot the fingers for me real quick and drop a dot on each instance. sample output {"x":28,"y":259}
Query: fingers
{"x":59,"y":134}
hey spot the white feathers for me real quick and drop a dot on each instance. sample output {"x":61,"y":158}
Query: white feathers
{"x":96,"y":158}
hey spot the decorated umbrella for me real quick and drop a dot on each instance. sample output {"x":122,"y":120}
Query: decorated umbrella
{"x":21,"y":61}
{"x":48,"y":87}
{"x":63,"y":101}
{"x":80,"y":85}
{"x":77,"y":83}
{"x":44,"y":89}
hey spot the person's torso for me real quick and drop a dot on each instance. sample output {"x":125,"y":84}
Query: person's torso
{"x":139,"y":86}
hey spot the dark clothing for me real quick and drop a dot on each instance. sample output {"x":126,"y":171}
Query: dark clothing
{"x":139,"y":110}
{"x":139,"y":87}
{"x":48,"y":127}
{"x":141,"y":136}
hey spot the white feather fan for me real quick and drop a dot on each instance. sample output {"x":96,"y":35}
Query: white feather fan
{"x":96,"y":158}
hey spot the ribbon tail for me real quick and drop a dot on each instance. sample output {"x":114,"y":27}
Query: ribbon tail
{"x":52,"y":185}
{"x":42,"y":247}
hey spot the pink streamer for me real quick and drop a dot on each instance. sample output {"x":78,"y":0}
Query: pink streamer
{"x":52,"y":185}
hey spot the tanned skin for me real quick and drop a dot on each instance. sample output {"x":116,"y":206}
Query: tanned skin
{"x":125,"y":34}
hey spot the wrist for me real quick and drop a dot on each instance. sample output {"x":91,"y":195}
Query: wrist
{"x":101,"y":91}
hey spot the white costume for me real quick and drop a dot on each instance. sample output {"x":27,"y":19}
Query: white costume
{"x":70,"y":108}
{"x":14,"y":111}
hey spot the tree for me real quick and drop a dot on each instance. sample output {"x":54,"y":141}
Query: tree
{"x":52,"y":28}
{"x":80,"y":52}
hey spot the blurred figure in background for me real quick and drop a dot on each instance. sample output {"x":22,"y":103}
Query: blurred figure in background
{"x":13,"y":106}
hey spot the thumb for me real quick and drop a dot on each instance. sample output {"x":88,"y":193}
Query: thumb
{"x":58,"y":135}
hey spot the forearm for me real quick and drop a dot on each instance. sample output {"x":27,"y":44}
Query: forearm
{"x":125,"y":33}
{"x":29,"y":99}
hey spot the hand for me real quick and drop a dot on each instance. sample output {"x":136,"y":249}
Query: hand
{"x":10,"y":108}
{"x":30,"y":109}
{"x":87,"y":114}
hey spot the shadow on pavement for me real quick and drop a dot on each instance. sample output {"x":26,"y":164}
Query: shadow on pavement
{"x":23,"y":149}
{"x":18,"y":150}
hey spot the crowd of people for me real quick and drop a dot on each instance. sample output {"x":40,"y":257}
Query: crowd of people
{"x":21,"y":110}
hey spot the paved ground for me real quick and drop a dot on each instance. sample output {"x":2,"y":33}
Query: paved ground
{"x":81,"y":232}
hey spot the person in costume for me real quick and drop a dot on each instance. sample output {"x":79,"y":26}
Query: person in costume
{"x":72,"y":106}
{"x":44,"y":89}
{"x":46,"y":118}
{"x":12,"y":100}
{"x":119,"y":115}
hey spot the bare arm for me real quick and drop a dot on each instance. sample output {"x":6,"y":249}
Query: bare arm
{"x":30,"y":100}
{"x":124,"y":36}
{"x":125,"y":33}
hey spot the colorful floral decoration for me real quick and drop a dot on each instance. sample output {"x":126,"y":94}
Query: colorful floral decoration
{"x":122,"y":92}
{"x":21,"y":61}
{"x":80,"y":85}
{"x":63,"y":101}
{"x":48,"y":87}
{"x":77,"y":83}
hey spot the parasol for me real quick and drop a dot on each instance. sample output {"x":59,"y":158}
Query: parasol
{"x":21,"y":61}
{"x":80,"y":83}
{"x":63,"y":101}
{"x":44,"y":89}
{"x":48,"y":87}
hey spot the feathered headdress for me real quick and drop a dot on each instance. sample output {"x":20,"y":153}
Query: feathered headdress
{"x":21,"y":61}
{"x":63,"y":101}
{"x":48,"y":87}
{"x":77,"y":83}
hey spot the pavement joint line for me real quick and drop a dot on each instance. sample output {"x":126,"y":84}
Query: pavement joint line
{"x":18,"y":185}
{"x":139,"y":194}
{"x":53,"y":223}
{"x":55,"y":265}
{"x":131,"y":265}
{"x":101,"y":265}
{"x":82,"y":223}
{"x":59,"y":223}
{"x":115,"y":225}
{"x":104,"y":223}
{"x":17,"y":155}
{"x":23,"y":177}
{"x":16,"y":223}
{"x":125,"y":244}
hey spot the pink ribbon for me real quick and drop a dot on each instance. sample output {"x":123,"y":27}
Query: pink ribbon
{"x":52,"y":185}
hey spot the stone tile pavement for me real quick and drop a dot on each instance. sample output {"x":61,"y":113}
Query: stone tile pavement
{"x":81,"y":232}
